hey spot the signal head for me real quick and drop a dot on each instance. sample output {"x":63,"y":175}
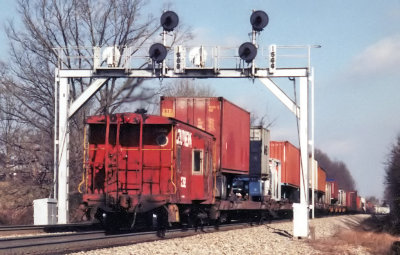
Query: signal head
{"x":169,"y":20}
{"x":247,"y":52}
{"x":259,"y":20}
{"x":158,"y":52}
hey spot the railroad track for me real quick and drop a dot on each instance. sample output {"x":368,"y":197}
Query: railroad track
{"x":63,"y":243}
{"x":34,"y":229}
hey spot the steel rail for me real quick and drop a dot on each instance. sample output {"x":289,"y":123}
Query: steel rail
{"x":31,"y":229}
{"x":62,"y":243}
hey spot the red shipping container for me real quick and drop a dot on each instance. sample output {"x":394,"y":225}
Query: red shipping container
{"x":334,"y":189}
{"x":289,"y":156}
{"x":351,"y":200}
{"x":229,"y":124}
{"x":358,"y":203}
{"x":321,"y":179}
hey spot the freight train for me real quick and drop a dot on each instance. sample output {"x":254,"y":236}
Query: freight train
{"x":198,"y":162}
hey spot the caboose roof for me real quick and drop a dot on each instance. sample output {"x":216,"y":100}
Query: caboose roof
{"x":133,"y":118}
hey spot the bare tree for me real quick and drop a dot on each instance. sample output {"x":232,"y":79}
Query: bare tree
{"x":264,"y":121}
{"x":392,"y":192}
{"x":179,"y":88}
{"x":73,"y":27}
{"x":188,"y":88}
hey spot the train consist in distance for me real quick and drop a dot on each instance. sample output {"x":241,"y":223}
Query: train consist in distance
{"x":199,"y":162}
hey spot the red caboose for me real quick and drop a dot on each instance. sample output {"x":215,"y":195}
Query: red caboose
{"x":136,"y":163}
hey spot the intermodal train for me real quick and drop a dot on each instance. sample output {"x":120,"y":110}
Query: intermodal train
{"x":196,"y":163}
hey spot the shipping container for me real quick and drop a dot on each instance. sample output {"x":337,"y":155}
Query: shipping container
{"x":351,"y":200}
{"x":313,"y":164}
{"x":320,"y":176}
{"x":229,"y":124}
{"x":289,"y":156}
{"x":382,"y":209}
{"x":275,"y":179}
{"x":358,"y":203}
{"x":342,"y":197}
{"x":363,"y":204}
{"x":328,"y":193}
{"x":334,"y":189}
{"x":321,"y":179}
{"x":259,"y":152}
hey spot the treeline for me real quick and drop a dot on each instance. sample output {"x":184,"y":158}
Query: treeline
{"x":392,"y":191}
{"x":336,"y":170}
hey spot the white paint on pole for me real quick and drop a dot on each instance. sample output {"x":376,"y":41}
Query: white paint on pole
{"x":303,"y":130}
{"x":86,"y":95}
{"x":300,"y":219}
{"x":314,"y":167}
{"x":63,"y":151}
{"x":55,"y":148}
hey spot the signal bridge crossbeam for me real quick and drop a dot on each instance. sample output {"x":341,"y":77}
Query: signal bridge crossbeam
{"x":65,"y":109}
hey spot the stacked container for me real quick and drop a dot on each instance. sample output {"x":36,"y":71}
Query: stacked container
{"x":351,"y":200}
{"x":342,"y":197}
{"x":359,"y":203}
{"x":259,"y":156}
{"x":275,"y":179}
{"x":328,"y":193}
{"x":289,"y":156}
{"x":229,"y":124}
{"x":333,"y":189}
{"x":321,"y":179}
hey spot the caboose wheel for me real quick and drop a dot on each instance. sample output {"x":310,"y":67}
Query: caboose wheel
{"x":162,"y":221}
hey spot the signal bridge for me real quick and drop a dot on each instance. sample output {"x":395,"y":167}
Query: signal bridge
{"x":184,"y":62}
{"x":249,"y":60}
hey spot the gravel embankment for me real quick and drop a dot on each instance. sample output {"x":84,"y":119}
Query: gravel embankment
{"x":275,"y":238}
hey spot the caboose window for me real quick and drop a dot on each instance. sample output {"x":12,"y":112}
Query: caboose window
{"x":156,"y":134}
{"x":197,"y":165}
{"x":129,"y":135}
{"x":97,"y":134}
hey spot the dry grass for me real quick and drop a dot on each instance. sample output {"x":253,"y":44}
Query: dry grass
{"x":356,"y":241}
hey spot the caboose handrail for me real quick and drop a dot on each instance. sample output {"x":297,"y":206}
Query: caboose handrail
{"x":137,"y":149}
{"x":157,"y":149}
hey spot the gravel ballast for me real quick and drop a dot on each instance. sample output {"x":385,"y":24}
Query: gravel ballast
{"x":274,"y":238}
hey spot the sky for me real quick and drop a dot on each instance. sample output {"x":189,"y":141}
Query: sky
{"x":357,"y":70}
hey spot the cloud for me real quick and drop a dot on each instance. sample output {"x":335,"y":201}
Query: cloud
{"x":380,"y":58}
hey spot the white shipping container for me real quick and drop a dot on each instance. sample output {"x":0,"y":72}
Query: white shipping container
{"x":45,"y":211}
{"x":328,"y":193}
{"x":275,"y":179}
{"x":363,"y":204}
{"x":342,"y":197}
{"x":382,"y":210}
